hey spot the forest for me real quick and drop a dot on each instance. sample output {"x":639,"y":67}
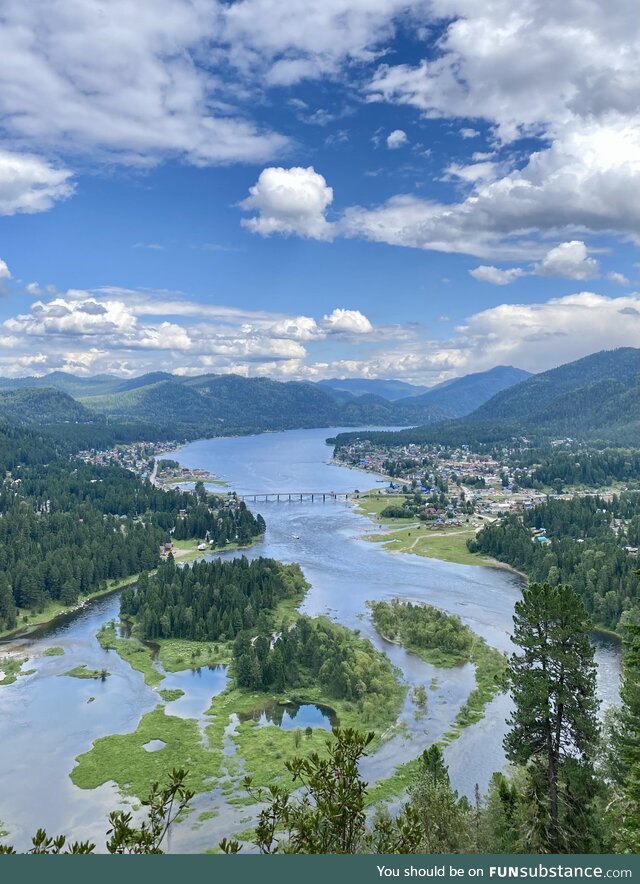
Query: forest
{"x":317,"y":652}
{"x":211,"y":601}
{"x":68,"y":527}
{"x":586,"y":549}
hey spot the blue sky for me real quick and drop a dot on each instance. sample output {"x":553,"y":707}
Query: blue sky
{"x":317,"y":189}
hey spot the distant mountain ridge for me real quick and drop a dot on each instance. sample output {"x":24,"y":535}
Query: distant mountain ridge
{"x":390,"y":390}
{"x":594,"y":399}
{"x":461,"y":396}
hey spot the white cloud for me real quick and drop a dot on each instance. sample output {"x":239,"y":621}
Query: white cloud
{"x":496,"y":276}
{"x":588,"y":180}
{"x":120,"y":80}
{"x":397,"y":138}
{"x":522,"y":67}
{"x":4,"y":270}
{"x":469,"y":133}
{"x":347,"y":321}
{"x":30,"y":184}
{"x":569,"y":259}
{"x":33,"y":288}
{"x":620,"y":278}
{"x":290,"y":201}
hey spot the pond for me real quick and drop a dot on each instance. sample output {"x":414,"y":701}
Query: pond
{"x":292,"y":715}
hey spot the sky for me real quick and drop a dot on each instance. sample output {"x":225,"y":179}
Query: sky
{"x":317,"y":188}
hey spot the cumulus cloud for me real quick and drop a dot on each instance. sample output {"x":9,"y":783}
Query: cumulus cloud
{"x":129,"y":332}
{"x":494,"y":275}
{"x":32,"y":288}
{"x":397,"y":138}
{"x":4,"y":270}
{"x":588,"y":179}
{"x":569,"y":259}
{"x":30,"y":184}
{"x":290,"y":201}
{"x":348,"y":322}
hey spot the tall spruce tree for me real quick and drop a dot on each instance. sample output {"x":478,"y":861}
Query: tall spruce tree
{"x":628,"y":746}
{"x":554,"y":729}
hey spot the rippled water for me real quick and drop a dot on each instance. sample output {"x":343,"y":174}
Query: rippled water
{"x":46,"y":720}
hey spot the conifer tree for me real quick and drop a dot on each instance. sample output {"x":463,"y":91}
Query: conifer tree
{"x":553,"y":727}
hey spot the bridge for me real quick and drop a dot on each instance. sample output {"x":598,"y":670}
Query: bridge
{"x":298,"y":495}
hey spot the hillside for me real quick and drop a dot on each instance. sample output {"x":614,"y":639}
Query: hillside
{"x":595,"y":399}
{"x":224,"y":403}
{"x":461,"y":396}
{"x":37,"y":407}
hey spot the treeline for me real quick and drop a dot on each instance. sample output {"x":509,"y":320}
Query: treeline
{"x":67,"y":527}
{"x":588,"y":536}
{"x":422,"y":628}
{"x":318,"y":652}
{"x":210,"y":600}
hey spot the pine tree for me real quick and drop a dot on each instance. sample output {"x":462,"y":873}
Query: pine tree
{"x":553,"y":728}
{"x":628,"y":745}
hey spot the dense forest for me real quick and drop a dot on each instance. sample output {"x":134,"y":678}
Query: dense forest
{"x":587,"y":539}
{"x":580,"y":467}
{"x":318,"y":652}
{"x":210,"y":600}
{"x":68,"y":527}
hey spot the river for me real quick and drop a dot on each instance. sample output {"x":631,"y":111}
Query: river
{"x":46,"y":721}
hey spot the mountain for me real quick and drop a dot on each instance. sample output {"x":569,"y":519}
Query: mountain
{"x":595,"y":399}
{"x":219,"y":403}
{"x":461,"y":396}
{"x":390,"y":390}
{"x":41,"y":406}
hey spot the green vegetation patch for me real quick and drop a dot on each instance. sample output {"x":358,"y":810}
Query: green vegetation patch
{"x":123,"y":759}
{"x":136,"y":654}
{"x":83,"y":672}
{"x":169,"y":694}
{"x":437,"y":637}
{"x":11,"y":669}
{"x":53,"y":652}
{"x":176,"y":654}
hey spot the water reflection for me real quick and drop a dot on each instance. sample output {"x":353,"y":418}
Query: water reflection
{"x":292,"y":715}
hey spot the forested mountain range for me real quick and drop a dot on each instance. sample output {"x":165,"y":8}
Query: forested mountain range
{"x":217,"y":404}
{"x":595,"y":399}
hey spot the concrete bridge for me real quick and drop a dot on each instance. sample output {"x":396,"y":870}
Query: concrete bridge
{"x":298,"y":496}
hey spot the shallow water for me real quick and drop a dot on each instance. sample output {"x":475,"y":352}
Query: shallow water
{"x":46,"y":720}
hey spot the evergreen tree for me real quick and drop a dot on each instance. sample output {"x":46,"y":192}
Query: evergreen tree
{"x":628,"y":746}
{"x":553,"y":728}
{"x":444,"y":818}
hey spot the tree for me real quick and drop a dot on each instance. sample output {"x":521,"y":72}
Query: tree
{"x":330,"y":815}
{"x":444,"y":818}
{"x":628,"y":746}
{"x":553,"y":727}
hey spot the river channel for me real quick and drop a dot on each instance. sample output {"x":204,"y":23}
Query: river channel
{"x":46,"y":720}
